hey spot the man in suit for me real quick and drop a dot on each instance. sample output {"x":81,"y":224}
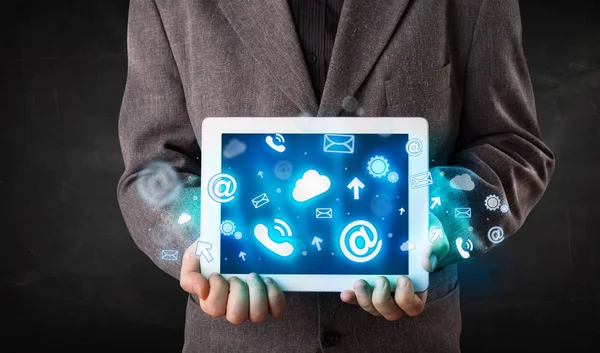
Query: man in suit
{"x":458,"y":63}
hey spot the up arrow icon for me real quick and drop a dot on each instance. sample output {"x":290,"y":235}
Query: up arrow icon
{"x":436,"y":202}
{"x":202,"y":249}
{"x":356,"y":184}
{"x":317,"y":242}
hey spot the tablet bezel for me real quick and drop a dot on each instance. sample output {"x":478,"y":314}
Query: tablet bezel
{"x":418,"y":208}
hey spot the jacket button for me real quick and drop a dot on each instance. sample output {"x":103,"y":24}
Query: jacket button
{"x":329,"y":338}
{"x":311,"y":58}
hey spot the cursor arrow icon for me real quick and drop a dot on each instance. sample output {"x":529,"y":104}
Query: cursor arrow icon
{"x":202,"y":249}
{"x":317,"y":242}
{"x":242,"y":255}
{"x":436,"y":202}
{"x":356,"y":184}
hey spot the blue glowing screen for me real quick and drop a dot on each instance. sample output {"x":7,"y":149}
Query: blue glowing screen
{"x":315,"y":204}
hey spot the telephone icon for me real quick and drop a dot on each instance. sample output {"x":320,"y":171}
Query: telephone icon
{"x":277,"y":146}
{"x":261,"y":233}
{"x":460,"y":246}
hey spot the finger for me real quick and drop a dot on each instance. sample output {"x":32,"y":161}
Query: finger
{"x":275,"y":298}
{"x":431,"y":256}
{"x":238,"y":301}
{"x":436,"y":251}
{"x":215,"y":304}
{"x":259,"y":307}
{"x":406,"y":298}
{"x":190,"y":278}
{"x":349,"y":297}
{"x":423,"y":297}
{"x":364,"y":297}
{"x":383,"y":300}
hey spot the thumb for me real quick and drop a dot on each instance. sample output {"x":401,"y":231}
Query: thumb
{"x":437,"y":245}
{"x":191,"y":280}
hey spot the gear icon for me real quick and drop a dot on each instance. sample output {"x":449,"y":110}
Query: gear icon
{"x":492,"y":202}
{"x":393,"y":177}
{"x":227,"y":227}
{"x":378,"y":166}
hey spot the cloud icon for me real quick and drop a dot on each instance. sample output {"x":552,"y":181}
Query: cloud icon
{"x":184,"y":218}
{"x":234,"y":148}
{"x":407,"y":246}
{"x":310,"y":185}
{"x":462,"y":182}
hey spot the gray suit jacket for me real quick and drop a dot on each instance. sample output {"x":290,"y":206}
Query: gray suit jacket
{"x":458,"y":63}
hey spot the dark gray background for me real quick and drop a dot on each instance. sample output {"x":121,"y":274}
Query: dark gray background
{"x":71,"y":276}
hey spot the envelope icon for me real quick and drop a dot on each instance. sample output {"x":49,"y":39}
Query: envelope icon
{"x":338,"y":143}
{"x":260,"y":200}
{"x":324,"y":213}
{"x":462,"y":212}
{"x":169,"y":255}
{"x":420,"y":180}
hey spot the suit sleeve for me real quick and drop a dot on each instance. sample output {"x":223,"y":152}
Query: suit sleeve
{"x":159,"y":191}
{"x":499,"y":146}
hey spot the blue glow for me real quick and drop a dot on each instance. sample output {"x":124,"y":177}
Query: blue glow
{"x":321,"y":214}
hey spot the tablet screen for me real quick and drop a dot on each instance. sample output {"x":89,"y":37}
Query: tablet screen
{"x":308,"y":203}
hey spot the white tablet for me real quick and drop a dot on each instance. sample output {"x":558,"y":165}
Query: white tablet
{"x":315,"y":203}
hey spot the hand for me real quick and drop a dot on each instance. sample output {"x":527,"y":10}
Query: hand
{"x":379,"y":300}
{"x":236,"y":300}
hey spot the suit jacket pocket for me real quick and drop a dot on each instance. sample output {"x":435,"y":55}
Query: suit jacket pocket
{"x":406,"y":89}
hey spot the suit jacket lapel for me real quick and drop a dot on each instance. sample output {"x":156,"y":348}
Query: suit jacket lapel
{"x":364,"y":29}
{"x":267,"y":29}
